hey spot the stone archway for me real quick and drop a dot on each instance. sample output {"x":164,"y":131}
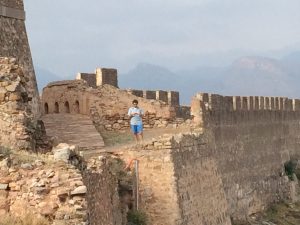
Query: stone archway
{"x":56,"y":108}
{"x":77,"y":109}
{"x":46,"y":108}
{"x":67,"y":107}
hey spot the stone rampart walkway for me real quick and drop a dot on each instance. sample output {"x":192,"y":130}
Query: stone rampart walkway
{"x":74,"y":129}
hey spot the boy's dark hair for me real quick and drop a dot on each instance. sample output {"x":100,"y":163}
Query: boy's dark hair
{"x":135,"y":101}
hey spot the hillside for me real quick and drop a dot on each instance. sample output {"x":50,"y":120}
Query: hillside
{"x":245,"y":76}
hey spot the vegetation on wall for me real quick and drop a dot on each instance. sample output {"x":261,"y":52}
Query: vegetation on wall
{"x":136,"y":217}
{"x":4,"y":152}
{"x":290,"y":168}
{"x":278,"y":214}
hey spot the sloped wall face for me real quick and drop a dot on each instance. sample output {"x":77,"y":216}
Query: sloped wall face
{"x":178,"y":184}
{"x":108,"y":190}
{"x":14,"y":43}
{"x":102,"y":198}
{"x":157,"y":184}
{"x":199,"y":185}
{"x":250,"y":142}
{"x":250,"y":158}
{"x":294,"y":136}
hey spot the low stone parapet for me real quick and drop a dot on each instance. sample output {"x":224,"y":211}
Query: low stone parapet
{"x":122,"y":122}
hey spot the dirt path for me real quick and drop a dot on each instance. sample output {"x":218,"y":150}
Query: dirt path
{"x":79,"y":130}
{"x":149,"y":134}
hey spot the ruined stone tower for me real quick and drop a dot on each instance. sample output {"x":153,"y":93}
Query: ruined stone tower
{"x":14,"y":43}
{"x":20,"y":127}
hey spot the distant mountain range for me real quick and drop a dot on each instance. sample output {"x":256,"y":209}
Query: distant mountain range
{"x":246,"y":76}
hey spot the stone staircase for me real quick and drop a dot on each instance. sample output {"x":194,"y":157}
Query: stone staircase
{"x":75,"y":129}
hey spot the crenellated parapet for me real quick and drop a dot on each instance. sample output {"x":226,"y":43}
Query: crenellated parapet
{"x":137,"y":93}
{"x":169,"y":97}
{"x":104,"y":76}
{"x":207,"y":107}
{"x":90,"y":78}
{"x":100,"y":77}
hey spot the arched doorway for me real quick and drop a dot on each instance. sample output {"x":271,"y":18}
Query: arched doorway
{"x":67,"y":107}
{"x":56,"y":108}
{"x":77,"y":109}
{"x":46,"y":108}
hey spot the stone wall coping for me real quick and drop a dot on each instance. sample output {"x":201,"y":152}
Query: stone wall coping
{"x":64,"y":82}
{"x":131,"y":89}
{"x":12,"y":13}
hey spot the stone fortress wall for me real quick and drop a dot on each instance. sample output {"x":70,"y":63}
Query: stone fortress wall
{"x":100,"y":77}
{"x":109,"y":76}
{"x":15,"y":116}
{"x":14,"y":43}
{"x":107,"y":105}
{"x":13,"y":4}
{"x":106,"y":198}
{"x":17,"y":78}
{"x":282,"y":113}
{"x":256,"y":136}
{"x":231,"y":166}
{"x":169,"y":97}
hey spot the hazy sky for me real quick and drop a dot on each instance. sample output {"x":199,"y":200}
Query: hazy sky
{"x":71,"y":36}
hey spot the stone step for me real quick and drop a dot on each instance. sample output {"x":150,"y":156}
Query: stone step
{"x":75,"y":129}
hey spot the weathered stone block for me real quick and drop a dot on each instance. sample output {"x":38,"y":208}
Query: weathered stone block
{"x":90,"y":78}
{"x":149,"y":94}
{"x":162,"y":96}
{"x":3,"y":186}
{"x":107,"y":76}
{"x":173,"y":98}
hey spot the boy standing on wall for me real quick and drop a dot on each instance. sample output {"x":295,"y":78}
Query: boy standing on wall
{"x":136,"y":124}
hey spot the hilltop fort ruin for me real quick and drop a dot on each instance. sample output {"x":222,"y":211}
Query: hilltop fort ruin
{"x":223,"y":160}
{"x":230,"y":165}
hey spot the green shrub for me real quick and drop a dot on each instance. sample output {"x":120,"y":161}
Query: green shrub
{"x":297,"y":172}
{"x":136,"y":218}
{"x":290,"y":168}
{"x":5,"y":152}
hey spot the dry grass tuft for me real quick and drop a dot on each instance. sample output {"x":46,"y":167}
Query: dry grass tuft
{"x":27,"y":219}
{"x":20,"y":157}
{"x":112,"y":138}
